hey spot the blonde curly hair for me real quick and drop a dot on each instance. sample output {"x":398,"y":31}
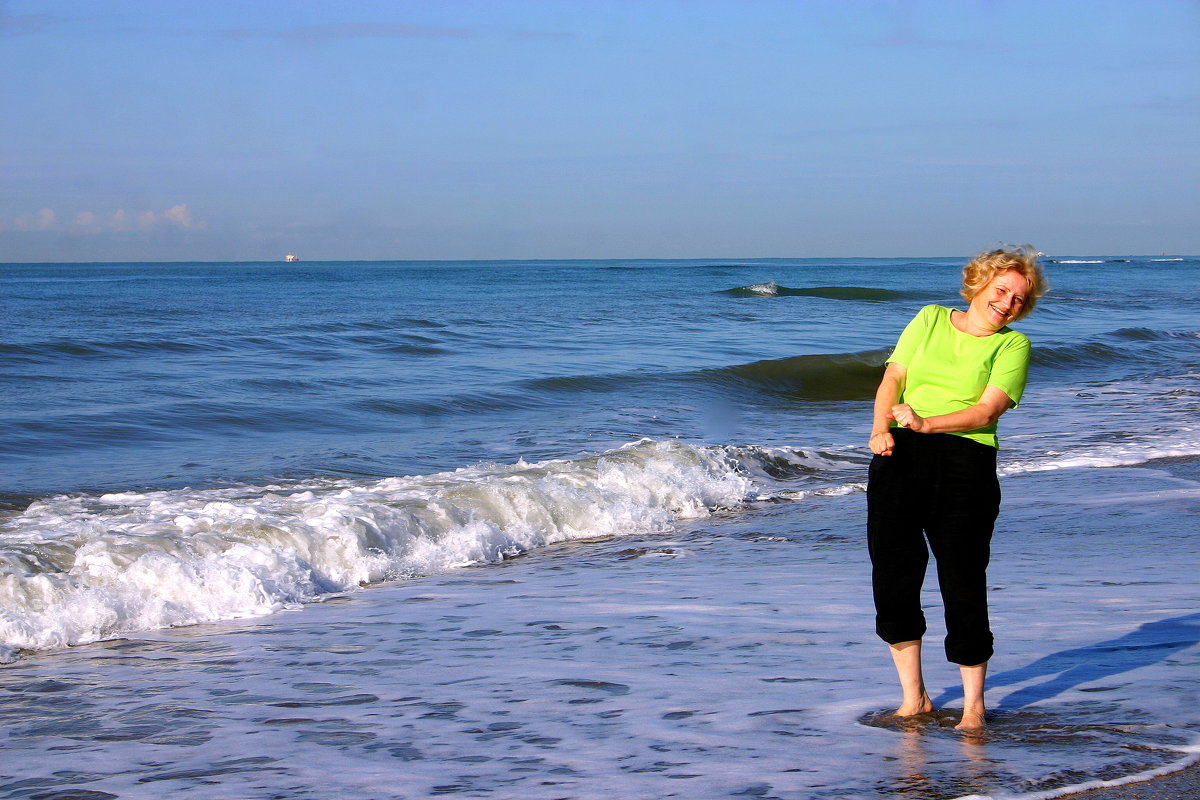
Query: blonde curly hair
{"x":981,"y":270}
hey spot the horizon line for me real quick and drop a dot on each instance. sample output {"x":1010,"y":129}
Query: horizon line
{"x":576,"y":260}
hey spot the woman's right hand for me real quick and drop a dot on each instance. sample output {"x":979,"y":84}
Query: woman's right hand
{"x":882,"y":443}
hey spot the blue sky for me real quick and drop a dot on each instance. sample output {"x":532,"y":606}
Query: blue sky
{"x":215,"y":130}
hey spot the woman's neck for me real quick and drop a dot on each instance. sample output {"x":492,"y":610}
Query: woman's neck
{"x":962,"y":321}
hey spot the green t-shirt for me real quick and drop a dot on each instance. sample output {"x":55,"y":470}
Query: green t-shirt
{"x":947,"y":370}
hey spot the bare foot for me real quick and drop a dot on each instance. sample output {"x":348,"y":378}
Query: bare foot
{"x":972,"y":681}
{"x":922,"y":705}
{"x":972,"y":720}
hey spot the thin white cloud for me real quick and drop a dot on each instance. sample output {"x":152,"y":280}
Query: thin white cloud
{"x":181,"y":216}
{"x":41,"y":220}
{"x":177,"y":217}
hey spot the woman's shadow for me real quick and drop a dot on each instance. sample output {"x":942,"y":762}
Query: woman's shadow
{"x":1067,"y":669}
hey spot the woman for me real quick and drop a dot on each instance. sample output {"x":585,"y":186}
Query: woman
{"x":933,"y":477}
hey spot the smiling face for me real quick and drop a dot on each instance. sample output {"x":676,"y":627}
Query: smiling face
{"x":1000,"y":302}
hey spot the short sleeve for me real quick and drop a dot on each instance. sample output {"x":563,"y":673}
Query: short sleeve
{"x":910,"y":339}
{"x":1011,"y":367}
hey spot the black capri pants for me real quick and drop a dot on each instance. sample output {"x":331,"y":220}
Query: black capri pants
{"x":941,"y":488}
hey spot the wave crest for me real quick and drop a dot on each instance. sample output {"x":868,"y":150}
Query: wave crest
{"x":824,"y":376}
{"x":77,"y":569}
{"x":863,"y":293}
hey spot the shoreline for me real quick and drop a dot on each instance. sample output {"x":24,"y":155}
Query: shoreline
{"x":1183,"y":784}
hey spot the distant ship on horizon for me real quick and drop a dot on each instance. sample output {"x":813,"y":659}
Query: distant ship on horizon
{"x":290,"y":257}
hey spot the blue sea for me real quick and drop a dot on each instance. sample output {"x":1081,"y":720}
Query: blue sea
{"x":566,"y":529}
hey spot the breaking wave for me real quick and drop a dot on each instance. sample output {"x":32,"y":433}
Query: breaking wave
{"x":823,"y":376}
{"x":863,"y":293}
{"x":82,"y":568}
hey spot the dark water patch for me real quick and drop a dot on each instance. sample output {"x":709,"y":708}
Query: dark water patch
{"x":394,"y":342}
{"x":1139,"y":334}
{"x":409,"y":350}
{"x":318,"y":687}
{"x":1186,"y":467}
{"x":40,"y":686}
{"x":299,"y":346}
{"x":1073,"y":304}
{"x":206,"y":417}
{"x":1074,"y":355}
{"x":347,"y":700}
{"x":380,"y":339}
{"x":35,"y":381}
{"x":175,"y":422}
{"x":1151,"y":335}
{"x":835,"y":376}
{"x":1126,"y":346}
{"x":16,"y":501}
{"x":451,"y":405}
{"x":447,"y":710}
{"x":342,"y":326}
{"x":631,"y":553}
{"x":231,"y":767}
{"x":337,"y":738}
{"x":129,"y":733}
{"x":70,"y":432}
{"x":777,"y":711}
{"x":612,"y":689}
{"x":314,"y":348}
{"x":859,"y":293}
{"x":278,"y":384}
{"x":825,"y":376}
{"x":584,"y":383}
{"x":53,"y":351}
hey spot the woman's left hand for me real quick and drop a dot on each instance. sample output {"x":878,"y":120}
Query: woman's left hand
{"x":906,"y":417}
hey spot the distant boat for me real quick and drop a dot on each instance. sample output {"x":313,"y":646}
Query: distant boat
{"x":290,"y":257}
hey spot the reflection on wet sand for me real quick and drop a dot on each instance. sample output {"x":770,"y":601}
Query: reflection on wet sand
{"x":926,"y":771}
{"x":921,"y":770}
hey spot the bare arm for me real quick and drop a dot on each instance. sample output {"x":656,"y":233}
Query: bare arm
{"x":989,"y":408}
{"x":889,"y":391}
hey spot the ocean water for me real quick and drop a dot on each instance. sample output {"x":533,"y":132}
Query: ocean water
{"x":565,"y":529}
